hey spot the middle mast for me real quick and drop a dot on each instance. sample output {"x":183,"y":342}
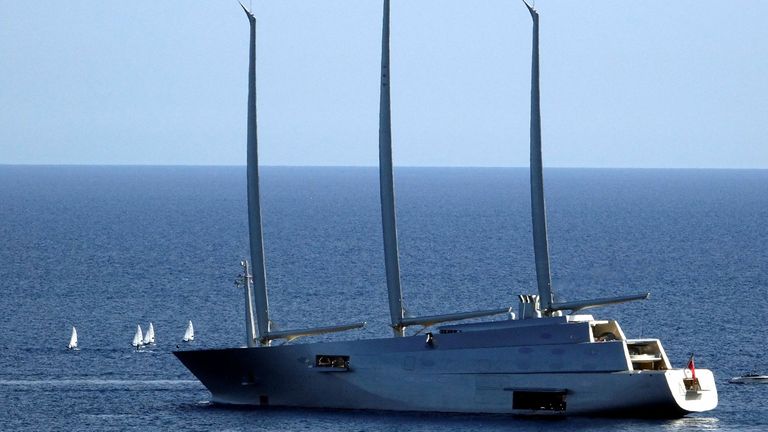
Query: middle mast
{"x":399,"y":321}
{"x":387,"y":186}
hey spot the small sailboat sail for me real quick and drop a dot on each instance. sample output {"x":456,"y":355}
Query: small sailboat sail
{"x":73,"y":339}
{"x":189,"y":335}
{"x":149,"y":338}
{"x":138,"y":338}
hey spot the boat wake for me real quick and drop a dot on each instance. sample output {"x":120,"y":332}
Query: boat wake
{"x":162,"y":383}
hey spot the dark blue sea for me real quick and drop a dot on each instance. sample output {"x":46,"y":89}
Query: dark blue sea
{"x":107,"y":248}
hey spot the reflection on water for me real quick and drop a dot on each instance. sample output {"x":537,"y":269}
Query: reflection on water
{"x":693,"y":423}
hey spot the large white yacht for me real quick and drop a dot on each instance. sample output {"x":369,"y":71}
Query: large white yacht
{"x":549,"y":360}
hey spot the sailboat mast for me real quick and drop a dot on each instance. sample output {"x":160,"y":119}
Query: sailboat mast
{"x":387,"y":186}
{"x":254,"y":206}
{"x":538,"y":210}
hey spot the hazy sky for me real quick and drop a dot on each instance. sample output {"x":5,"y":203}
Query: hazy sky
{"x":624,"y":84}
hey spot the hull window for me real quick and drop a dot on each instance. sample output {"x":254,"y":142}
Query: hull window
{"x":531,"y":400}
{"x":332,"y":361}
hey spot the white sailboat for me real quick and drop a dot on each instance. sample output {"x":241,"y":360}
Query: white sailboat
{"x":189,"y":334}
{"x":138,"y":338}
{"x":550,"y":360}
{"x":149,"y":337}
{"x":73,"y":339}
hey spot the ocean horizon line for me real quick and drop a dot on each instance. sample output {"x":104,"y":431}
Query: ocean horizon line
{"x":128,"y":165}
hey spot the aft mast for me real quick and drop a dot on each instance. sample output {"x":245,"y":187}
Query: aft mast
{"x":547,"y":304}
{"x":538,"y":209}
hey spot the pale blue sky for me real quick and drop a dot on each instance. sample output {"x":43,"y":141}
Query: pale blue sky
{"x":624,"y":84}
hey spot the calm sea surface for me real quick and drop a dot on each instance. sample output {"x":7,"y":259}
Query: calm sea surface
{"x":107,"y":248}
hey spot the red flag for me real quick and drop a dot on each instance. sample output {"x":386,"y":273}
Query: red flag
{"x":692,"y":367}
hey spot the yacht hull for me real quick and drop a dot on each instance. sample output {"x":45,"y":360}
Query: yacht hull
{"x":408,"y":374}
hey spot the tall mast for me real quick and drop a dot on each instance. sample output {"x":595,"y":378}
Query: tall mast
{"x":388,"y":218}
{"x":547,"y":304}
{"x":259,"y":277}
{"x":256,"y":280}
{"x":387,"y":187}
{"x":538,"y":210}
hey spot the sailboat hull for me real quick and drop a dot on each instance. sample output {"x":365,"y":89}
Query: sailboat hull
{"x":482,"y":372}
